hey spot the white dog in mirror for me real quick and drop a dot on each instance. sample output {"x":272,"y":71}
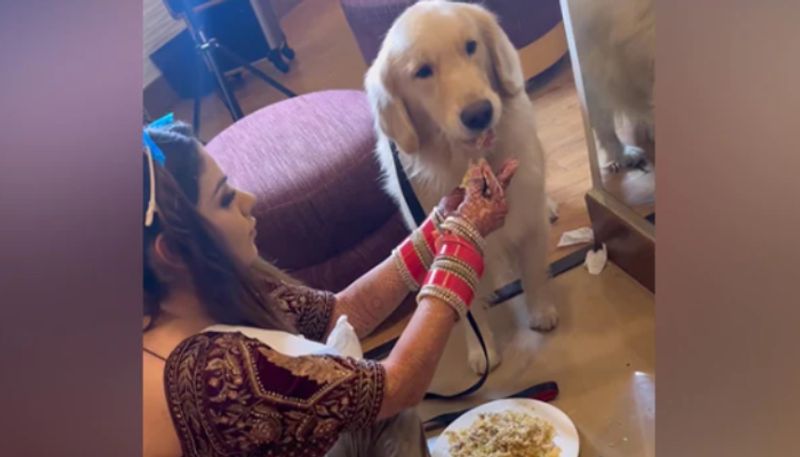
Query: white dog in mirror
{"x":616,"y":49}
{"x":447,"y":87}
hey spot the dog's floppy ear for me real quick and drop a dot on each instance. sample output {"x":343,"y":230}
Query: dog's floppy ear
{"x":388,"y":108}
{"x":504,"y":58}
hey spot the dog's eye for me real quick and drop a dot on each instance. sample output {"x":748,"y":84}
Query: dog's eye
{"x":424,"y":71}
{"x":471,"y":47}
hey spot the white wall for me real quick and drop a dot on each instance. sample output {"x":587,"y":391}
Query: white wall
{"x":159,"y":27}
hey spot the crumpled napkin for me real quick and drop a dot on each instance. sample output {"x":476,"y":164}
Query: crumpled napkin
{"x":596,"y":260}
{"x":343,"y":338}
{"x":578,"y":236}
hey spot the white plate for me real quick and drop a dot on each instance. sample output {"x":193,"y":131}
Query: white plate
{"x":566,"y":436}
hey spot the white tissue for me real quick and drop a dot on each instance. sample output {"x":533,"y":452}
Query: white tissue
{"x":343,"y":338}
{"x":596,"y":260}
{"x":582,"y":235}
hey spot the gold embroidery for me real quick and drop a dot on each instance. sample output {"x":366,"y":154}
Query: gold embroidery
{"x":267,"y":431}
{"x":310,"y":309}
{"x":219,"y":410}
{"x":321,"y":370}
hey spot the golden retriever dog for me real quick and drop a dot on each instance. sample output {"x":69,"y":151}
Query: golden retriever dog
{"x":616,"y":50}
{"x":446,"y":88}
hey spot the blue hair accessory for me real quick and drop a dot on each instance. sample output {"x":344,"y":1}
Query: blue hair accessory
{"x":150,"y":145}
{"x":166,"y":119}
{"x":154,"y":154}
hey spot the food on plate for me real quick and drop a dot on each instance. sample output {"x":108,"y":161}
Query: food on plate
{"x":508,"y":434}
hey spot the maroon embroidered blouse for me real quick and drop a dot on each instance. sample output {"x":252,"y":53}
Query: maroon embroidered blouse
{"x":230,"y":395}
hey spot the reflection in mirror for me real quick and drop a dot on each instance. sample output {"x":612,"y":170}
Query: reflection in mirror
{"x":615,"y":42}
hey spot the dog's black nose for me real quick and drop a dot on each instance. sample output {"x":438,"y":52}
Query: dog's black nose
{"x":478,"y":115}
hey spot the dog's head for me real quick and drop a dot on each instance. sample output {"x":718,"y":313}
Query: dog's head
{"x":443,"y":70}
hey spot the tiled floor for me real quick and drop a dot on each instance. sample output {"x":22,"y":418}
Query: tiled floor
{"x":602,"y":356}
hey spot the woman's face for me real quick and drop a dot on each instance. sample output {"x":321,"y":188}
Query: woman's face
{"x":228,"y":209}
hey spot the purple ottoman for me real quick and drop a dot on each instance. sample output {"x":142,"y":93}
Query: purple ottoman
{"x":322,"y":213}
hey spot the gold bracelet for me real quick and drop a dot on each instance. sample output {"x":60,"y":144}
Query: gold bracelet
{"x":438,"y":219}
{"x":469,"y":228}
{"x":459,"y":262}
{"x":421,"y":247}
{"x":458,"y":269}
{"x":444,"y":295}
{"x":404,"y":273}
{"x":464,"y":229}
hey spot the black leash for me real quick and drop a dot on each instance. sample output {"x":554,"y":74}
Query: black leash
{"x":419,"y":217}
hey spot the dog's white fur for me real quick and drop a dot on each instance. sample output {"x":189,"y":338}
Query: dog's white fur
{"x":616,"y":51}
{"x":422,"y":117}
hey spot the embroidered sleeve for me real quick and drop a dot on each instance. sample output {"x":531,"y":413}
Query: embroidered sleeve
{"x":311,"y":309}
{"x":232,"y":395}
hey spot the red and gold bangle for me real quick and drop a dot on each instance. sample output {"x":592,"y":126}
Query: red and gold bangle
{"x":461,"y":227}
{"x":437,"y":218}
{"x":456,"y":266}
{"x":451,"y":299}
{"x":446,"y":278}
{"x":415,"y":254}
{"x":449,"y":287}
{"x":428,"y":234}
{"x":454,"y":274}
{"x":452,"y":246}
{"x":411,"y":262}
{"x":430,"y":230}
{"x":408,"y":272}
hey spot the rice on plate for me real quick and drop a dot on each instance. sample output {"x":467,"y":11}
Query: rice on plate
{"x":505,"y":434}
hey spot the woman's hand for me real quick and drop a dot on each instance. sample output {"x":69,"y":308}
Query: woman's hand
{"x":412,"y":362}
{"x":484,"y":202}
{"x":450,"y":202}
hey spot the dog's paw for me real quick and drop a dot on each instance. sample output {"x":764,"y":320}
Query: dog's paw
{"x":477,"y":361}
{"x":614,"y":167}
{"x":544,"y":318}
{"x":632,"y":157}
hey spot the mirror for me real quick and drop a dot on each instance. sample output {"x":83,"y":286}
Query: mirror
{"x":613,"y":47}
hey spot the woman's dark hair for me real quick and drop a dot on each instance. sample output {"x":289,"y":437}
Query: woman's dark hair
{"x":230,"y":294}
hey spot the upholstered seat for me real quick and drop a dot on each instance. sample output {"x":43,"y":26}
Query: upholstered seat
{"x":321,"y":211}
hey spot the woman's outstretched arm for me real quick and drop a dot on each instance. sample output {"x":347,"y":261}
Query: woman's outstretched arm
{"x":371,"y":298}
